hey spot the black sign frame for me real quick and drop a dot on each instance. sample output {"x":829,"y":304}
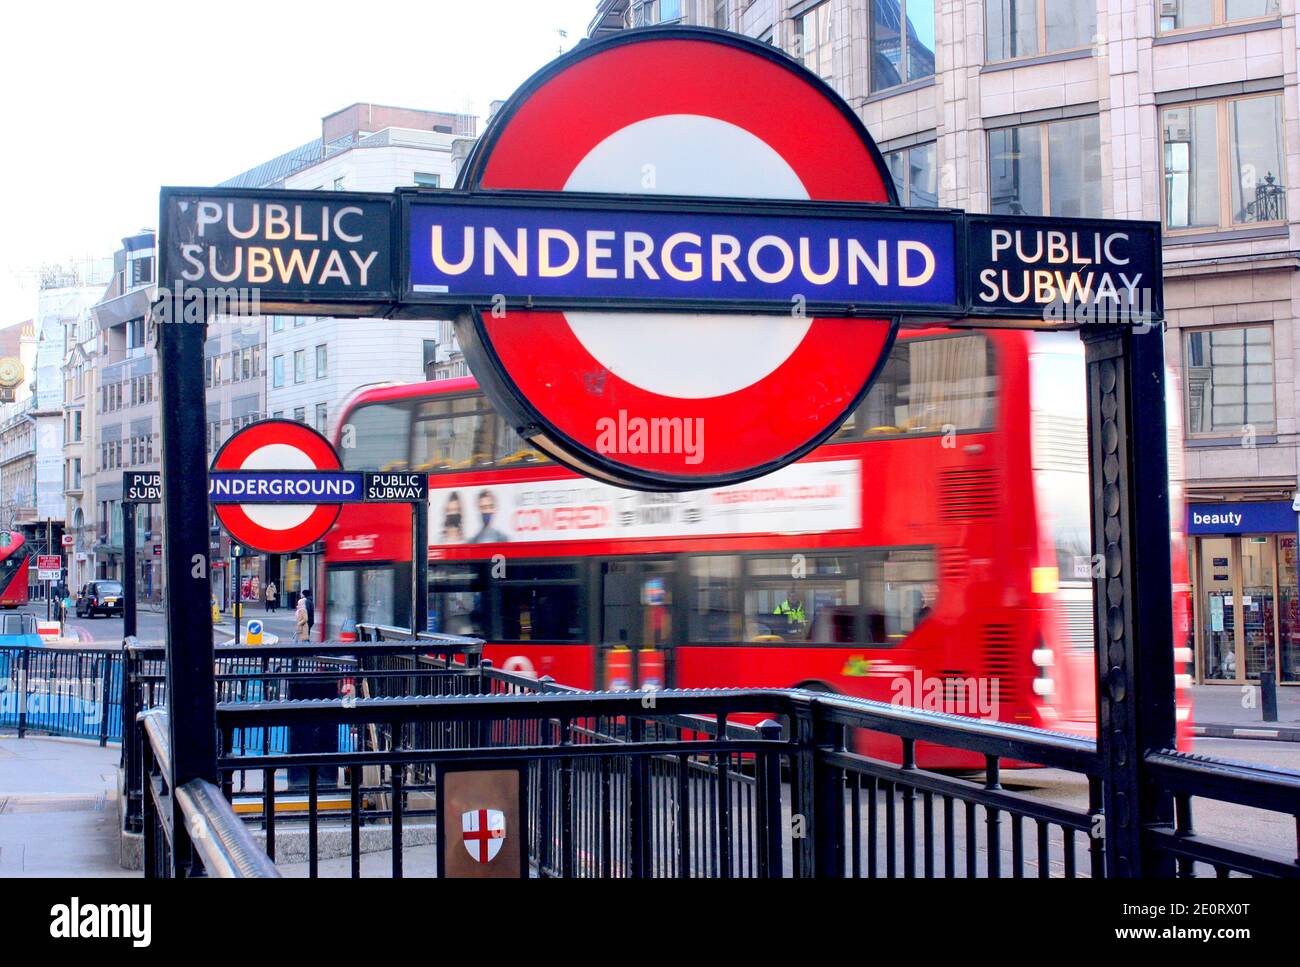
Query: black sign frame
{"x":396,"y":297}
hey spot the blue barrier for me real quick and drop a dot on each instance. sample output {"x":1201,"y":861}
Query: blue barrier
{"x":62,"y":692}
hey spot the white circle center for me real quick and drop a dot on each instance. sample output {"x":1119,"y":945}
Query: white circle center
{"x":277,"y":456}
{"x":700,"y":355}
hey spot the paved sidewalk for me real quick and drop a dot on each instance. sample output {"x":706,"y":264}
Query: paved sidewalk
{"x":1235,"y":712}
{"x":58,"y":808}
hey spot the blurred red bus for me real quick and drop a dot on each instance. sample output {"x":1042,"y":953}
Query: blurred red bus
{"x":936,"y":552}
{"x":14,"y":570}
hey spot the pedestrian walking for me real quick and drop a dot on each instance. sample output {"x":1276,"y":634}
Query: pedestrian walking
{"x":302,"y":627}
{"x":311,"y":610}
{"x":271,"y":594}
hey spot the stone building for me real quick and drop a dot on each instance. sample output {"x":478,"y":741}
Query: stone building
{"x":1184,"y":112}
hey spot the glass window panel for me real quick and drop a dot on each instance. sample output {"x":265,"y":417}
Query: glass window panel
{"x":821,"y":605}
{"x":920,"y":38}
{"x":1191,"y":166}
{"x":1016,"y":171}
{"x":381,"y":437}
{"x":1225,"y":392}
{"x":923,"y":177}
{"x":1180,"y":14}
{"x":1249,"y":9}
{"x":1069,"y":24}
{"x":901,"y":590}
{"x":887,"y":67}
{"x":1074,"y":167}
{"x":715,"y":613}
{"x":1012,"y":29}
{"x":457,"y":601}
{"x":813,"y":35}
{"x":1258,"y":193}
{"x":930,"y":384}
{"x":541,"y":612}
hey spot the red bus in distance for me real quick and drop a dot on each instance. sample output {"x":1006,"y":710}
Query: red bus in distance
{"x":15,"y":564}
{"x":936,"y":552}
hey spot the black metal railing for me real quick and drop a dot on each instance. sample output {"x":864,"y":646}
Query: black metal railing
{"x":716,"y":783}
{"x":192,"y":830}
{"x":288,"y":672}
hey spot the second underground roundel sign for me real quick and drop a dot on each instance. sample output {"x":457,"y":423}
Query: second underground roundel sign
{"x":675,"y":401}
{"x":279,"y":447}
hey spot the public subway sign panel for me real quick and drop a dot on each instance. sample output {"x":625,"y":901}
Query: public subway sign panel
{"x":264,"y":251}
{"x":672,"y":291}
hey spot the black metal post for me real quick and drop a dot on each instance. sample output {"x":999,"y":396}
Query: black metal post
{"x":767,"y":802}
{"x":191,"y":687}
{"x":128,"y":565}
{"x":419,"y":566}
{"x":1134,"y":611}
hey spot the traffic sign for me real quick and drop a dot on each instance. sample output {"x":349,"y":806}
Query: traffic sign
{"x":276,"y":486}
{"x":49,"y":567}
{"x":685,"y":400}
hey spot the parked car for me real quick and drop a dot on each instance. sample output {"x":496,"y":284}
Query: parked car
{"x":100,"y":597}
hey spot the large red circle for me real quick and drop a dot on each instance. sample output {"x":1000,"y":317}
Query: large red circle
{"x":242,"y":528}
{"x":550,"y":128}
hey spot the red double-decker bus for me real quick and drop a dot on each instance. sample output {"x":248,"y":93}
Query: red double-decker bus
{"x":935,"y":553}
{"x":14,"y":569}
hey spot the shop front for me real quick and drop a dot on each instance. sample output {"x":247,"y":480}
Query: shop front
{"x":1245,"y":591}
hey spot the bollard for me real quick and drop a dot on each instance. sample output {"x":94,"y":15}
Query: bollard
{"x":1268,"y":695}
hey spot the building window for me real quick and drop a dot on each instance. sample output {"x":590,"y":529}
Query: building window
{"x":425,"y":179}
{"x":915,"y":175}
{"x":1229,"y":380}
{"x":322,"y":416}
{"x":1026,"y":28}
{"x":322,"y":362}
{"x":902,"y":42}
{"x":430,"y":358}
{"x":1046,"y":169}
{"x":1224,"y":163}
{"x":299,"y":365}
{"x":1189,"y":14}
{"x":277,"y":323}
{"x":338,"y":184}
{"x":720,"y":18}
{"x":277,"y":371}
{"x":300,"y":414}
{"x":812,"y":32}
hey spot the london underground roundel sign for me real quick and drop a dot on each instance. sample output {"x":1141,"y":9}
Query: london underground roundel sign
{"x":277,"y":486}
{"x":678,"y":400}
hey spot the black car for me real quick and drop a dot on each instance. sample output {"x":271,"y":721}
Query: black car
{"x":100,"y":597}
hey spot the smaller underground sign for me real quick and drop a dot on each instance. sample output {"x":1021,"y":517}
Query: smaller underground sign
{"x":277,"y":486}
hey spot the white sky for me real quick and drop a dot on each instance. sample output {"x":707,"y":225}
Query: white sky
{"x":104,"y":103}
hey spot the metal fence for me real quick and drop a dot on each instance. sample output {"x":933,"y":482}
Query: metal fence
{"x":683,"y":784}
{"x":68,"y":692}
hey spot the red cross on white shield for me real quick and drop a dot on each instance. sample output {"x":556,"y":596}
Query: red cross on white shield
{"x":484,"y":831}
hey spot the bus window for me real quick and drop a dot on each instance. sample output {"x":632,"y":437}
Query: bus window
{"x":542,"y":602}
{"x":456,"y":600}
{"x":1059,"y":427}
{"x":369,"y":595}
{"x":715,"y":599}
{"x":463,"y":432}
{"x":453,"y":433}
{"x":380,"y":437}
{"x":802,"y":598}
{"x":901,"y":590}
{"x":930,"y":384}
